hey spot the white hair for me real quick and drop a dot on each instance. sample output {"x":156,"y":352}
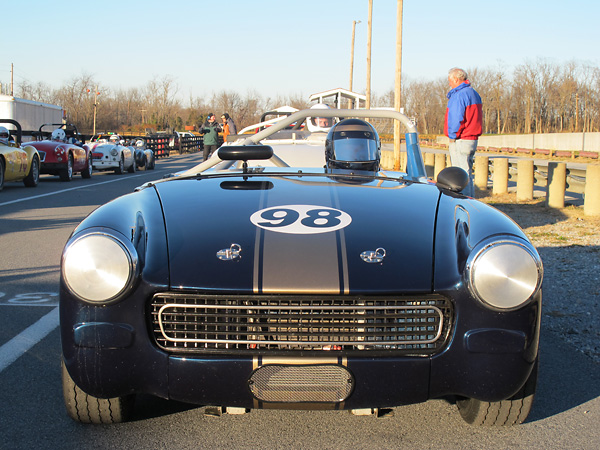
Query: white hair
{"x":458,"y":74}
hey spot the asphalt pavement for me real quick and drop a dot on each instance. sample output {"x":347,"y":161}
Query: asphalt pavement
{"x":34,"y":226}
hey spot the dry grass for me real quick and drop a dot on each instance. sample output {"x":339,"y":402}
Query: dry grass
{"x":548,"y":226}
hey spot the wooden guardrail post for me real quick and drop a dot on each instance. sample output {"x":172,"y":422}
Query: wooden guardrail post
{"x":481,"y":172}
{"x":439,"y":165}
{"x":557,"y":182}
{"x":524,"y":180}
{"x":591,"y":202}
{"x":500,"y":178}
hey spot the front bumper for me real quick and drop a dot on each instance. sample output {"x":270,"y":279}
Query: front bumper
{"x":53,"y":167}
{"x":110,"y":352}
{"x":105,"y":163}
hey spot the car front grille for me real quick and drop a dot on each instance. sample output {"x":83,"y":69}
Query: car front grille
{"x":269,"y":323}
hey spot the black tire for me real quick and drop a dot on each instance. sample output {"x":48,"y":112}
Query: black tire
{"x":511,"y":411}
{"x":67,"y":174}
{"x":145,"y":163}
{"x":87,"y":172}
{"x":119,"y":170}
{"x":33,"y":177}
{"x":152,"y":163}
{"x":85,"y":408}
{"x":132,"y":168}
{"x":1,"y":173}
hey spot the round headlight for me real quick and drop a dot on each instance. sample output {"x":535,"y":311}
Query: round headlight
{"x":114,"y":151}
{"x":504,"y":274}
{"x":97,"y":267}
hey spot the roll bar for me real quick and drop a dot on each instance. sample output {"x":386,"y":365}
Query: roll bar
{"x":415,"y":167}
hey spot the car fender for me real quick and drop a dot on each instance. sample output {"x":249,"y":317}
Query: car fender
{"x":31,"y":152}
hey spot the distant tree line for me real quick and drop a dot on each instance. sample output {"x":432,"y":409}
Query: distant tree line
{"x":537,"y":97}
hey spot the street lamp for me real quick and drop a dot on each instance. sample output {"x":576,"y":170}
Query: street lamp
{"x":354,"y":22}
{"x":95,"y":108}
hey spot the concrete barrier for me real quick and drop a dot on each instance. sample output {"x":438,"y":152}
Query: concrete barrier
{"x":591,"y":203}
{"x":500,"y":176}
{"x":557,"y":183}
{"x":439,"y":164}
{"x":429,"y":163}
{"x":525,"y":180}
{"x":481,"y":172}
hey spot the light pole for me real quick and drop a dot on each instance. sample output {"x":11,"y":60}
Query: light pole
{"x":354,"y":22}
{"x":398,"y":86}
{"x":96,"y":94}
{"x":369,"y":32}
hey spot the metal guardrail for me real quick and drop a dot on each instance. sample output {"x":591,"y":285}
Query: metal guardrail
{"x":553,"y":176}
{"x":159,"y":143}
{"x":190,"y":144}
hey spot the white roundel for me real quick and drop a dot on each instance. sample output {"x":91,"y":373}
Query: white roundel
{"x":300,"y":219}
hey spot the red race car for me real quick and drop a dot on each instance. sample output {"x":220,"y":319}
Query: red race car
{"x":62,"y":152}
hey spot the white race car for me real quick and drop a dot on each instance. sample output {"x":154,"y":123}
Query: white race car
{"x":112,"y":155}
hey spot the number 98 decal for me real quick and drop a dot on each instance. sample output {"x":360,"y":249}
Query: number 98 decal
{"x":301,"y":219}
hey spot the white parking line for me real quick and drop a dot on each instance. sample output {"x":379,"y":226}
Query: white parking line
{"x":20,"y":344}
{"x":67,"y":190}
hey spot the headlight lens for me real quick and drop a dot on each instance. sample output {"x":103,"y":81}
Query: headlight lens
{"x":114,"y":152}
{"x":504,"y":274}
{"x":98,"y":267}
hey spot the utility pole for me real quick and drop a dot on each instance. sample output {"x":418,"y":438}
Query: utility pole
{"x":398,"y":86}
{"x":95,"y":109}
{"x":12,"y":78}
{"x":576,"y":112}
{"x":354,"y":22}
{"x":369,"y":32}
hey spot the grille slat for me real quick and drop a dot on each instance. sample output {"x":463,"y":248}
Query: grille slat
{"x":190,"y":322}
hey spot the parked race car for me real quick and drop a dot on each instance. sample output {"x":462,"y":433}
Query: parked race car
{"x":61,"y":151}
{"x":144,"y":156}
{"x":17,"y":163}
{"x":112,"y":155}
{"x":333,"y":285}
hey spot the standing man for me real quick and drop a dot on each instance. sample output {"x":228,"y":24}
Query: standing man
{"x":463,"y":124}
{"x":210,"y":130}
{"x":228,"y":126}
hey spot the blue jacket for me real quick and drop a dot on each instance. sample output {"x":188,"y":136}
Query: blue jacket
{"x":464,"y":113}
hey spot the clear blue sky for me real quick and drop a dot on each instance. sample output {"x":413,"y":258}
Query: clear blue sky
{"x":281,"y":47}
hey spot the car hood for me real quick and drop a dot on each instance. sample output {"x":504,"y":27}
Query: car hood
{"x":48,"y":146}
{"x":104,"y":148}
{"x":299,"y":235}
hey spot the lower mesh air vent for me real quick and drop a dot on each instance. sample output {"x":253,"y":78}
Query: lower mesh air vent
{"x":294,"y":384}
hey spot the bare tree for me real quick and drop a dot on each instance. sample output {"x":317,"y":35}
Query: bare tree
{"x":538,"y":96}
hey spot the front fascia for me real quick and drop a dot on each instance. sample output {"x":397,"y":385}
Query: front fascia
{"x":107,"y":349}
{"x":500,"y":347}
{"x":133,"y":363}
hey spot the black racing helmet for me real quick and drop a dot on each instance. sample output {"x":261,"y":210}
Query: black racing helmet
{"x":353,"y":144}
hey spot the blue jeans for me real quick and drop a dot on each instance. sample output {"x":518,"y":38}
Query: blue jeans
{"x":462,"y":154}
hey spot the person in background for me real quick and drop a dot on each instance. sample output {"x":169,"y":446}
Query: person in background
{"x":210,"y":130}
{"x":228,"y":126}
{"x":4,"y":135}
{"x":463,"y":124}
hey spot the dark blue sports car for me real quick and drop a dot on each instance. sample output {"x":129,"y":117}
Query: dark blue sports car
{"x":326,"y":283}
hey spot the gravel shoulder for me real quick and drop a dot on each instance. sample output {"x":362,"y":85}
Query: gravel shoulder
{"x":569,"y":244}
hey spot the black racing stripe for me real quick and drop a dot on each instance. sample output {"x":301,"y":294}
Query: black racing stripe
{"x":339,"y":243}
{"x":261,"y":256}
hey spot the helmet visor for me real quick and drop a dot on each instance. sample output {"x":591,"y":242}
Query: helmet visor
{"x":355,"y":149}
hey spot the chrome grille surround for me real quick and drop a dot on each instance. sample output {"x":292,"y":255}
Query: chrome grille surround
{"x":415,"y":325}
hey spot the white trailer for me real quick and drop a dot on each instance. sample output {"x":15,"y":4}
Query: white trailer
{"x":31,"y":115}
